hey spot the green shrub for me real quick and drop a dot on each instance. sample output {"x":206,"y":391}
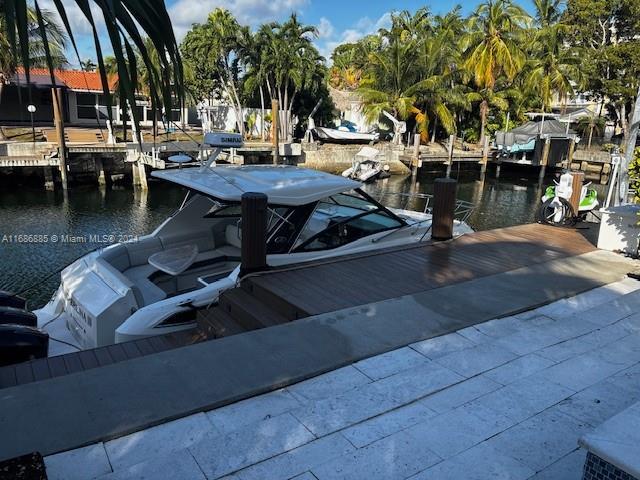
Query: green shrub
{"x":634,"y":175}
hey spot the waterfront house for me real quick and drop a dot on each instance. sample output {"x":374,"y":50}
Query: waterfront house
{"x":84,"y":102}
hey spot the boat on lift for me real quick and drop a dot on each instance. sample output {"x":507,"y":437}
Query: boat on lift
{"x":156,"y":284}
{"x":366,"y":166}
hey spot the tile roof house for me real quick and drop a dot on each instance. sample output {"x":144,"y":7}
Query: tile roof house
{"x":84,"y":102}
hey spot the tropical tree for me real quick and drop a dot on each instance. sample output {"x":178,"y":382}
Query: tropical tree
{"x":552,"y":70}
{"x":290,"y":64}
{"x":414,"y":76}
{"x":213,"y":51}
{"x":124,"y":21}
{"x":36,"y":48}
{"x":88,"y":65}
{"x":548,"y":12}
{"x":493,"y":48}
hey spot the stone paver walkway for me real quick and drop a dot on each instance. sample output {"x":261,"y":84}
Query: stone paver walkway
{"x":505,"y":399}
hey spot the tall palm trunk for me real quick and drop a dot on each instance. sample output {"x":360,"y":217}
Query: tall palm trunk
{"x":484,"y":110}
{"x":435,"y":127}
{"x":262,"y":137}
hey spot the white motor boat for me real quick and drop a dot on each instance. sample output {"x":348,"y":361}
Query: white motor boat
{"x":366,"y":166}
{"x":156,"y":285}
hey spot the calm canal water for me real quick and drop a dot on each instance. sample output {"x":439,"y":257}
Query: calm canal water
{"x":95,"y":217}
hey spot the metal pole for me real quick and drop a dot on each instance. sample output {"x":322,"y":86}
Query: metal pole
{"x":630,"y":147}
{"x":33,"y":129}
{"x":275,"y":126}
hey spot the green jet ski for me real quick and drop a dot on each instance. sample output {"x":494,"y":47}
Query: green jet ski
{"x":556,"y":209}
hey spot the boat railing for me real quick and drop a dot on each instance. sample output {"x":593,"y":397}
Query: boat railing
{"x":423,"y":202}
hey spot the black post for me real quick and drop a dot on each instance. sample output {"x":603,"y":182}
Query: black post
{"x":254,"y":232}
{"x":444,"y":204}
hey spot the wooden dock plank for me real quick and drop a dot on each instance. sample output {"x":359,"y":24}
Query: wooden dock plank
{"x":341,"y":283}
{"x":333,"y":284}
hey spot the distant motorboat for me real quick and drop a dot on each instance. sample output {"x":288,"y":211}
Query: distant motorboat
{"x":366,"y":167}
{"x":333,"y":135}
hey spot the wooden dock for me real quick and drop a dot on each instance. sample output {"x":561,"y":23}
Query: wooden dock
{"x":297,"y":291}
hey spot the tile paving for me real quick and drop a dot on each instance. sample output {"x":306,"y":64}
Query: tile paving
{"x":508,"y":400}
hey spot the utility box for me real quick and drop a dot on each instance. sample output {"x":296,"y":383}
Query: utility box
{"x":619,"y":229}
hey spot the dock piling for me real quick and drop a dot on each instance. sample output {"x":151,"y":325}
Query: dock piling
{"x":99,"y":168}
{"x":485,"y":156}
{"x":578,"y":178}
{"x":452,"y":139}
{"x":49,"y":178}
{"x":444,"y":204}
{"x":58,"y":117}
{"x":254,"y":232}
{"x":545,"y":157}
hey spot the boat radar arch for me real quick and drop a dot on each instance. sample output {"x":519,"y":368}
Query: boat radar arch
{"x":218,"y":141}
{"x":223,"y":140}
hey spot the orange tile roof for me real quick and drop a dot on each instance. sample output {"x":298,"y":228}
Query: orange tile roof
{"x":75,"y":79}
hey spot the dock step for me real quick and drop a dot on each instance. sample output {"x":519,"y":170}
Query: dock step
{"x":249,"y":311}
{"x":254,"y":287}
{"x":216,"y":323}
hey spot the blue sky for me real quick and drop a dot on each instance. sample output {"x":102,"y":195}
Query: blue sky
{"x":337,"y":20}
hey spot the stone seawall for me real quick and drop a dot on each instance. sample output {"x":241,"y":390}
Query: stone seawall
{"x":337,"y":158}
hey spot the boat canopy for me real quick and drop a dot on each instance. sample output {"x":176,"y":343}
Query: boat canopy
{"x":283,"y":184}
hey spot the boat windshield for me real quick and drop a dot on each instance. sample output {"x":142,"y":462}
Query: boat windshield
{"x":343,"y":218}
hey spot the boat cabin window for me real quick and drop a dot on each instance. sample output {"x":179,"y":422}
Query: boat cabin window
{"x":224,"y":210}
{"x":342,"y":219}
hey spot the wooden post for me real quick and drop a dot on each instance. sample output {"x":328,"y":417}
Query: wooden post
{"x":416,"y":146}
{"x":444,"y":204}
{"x":485,"y":155}
{"x":275,"y":130}
{"x":578,"y":179}
{"x":254,"y":232}
{"x":142,"y":174}
{"x":572,"y":149}
{"x":545,"y":157}
{"x":49,"y":179}
{"x":99,"y":168}
{"x":58,"y":118}
{"x":450,"y":154}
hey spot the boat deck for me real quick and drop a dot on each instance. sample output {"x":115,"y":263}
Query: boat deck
{"x":299,"y":291}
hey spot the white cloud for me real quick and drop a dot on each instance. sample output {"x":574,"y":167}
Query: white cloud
{"x":325,"y":28}
{"x":363,"y":27}
{"x":248,"y":12}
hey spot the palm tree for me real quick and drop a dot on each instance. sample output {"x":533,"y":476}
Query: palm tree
{"x":36,"y":48}
{"x":289,"y":61}
{"x":493,"y":47}
{"x":88,"y":65}
{"x":548,"y":12}
{"x":553,"y":69}
{"x":215,"y":47}
{"x":124,"y":21}
{"x":413,"y":74}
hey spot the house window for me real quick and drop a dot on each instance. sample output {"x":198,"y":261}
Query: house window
{"x":86,"y":105}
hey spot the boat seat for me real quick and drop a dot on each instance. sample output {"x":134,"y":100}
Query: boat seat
{"x":203,"y":239}
{"x":150,"y":292}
